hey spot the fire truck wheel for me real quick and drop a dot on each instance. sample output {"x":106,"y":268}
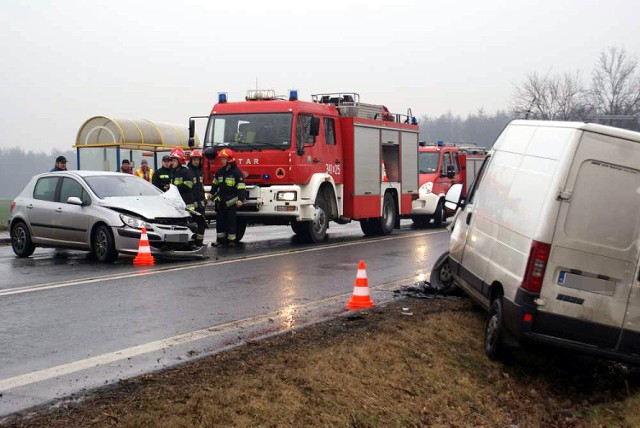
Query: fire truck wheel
{"x":440,"y":216}
{"x":367,"y":227}
{"x":317,"y":228}
{"x":298,"y":227}
{"x":388,"y":219}
{"x":421,"y":220}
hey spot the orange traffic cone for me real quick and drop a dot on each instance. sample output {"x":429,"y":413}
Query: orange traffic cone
{"x":384,"y":173}
{"x":144,"y":257}
{"x":360,"y":298}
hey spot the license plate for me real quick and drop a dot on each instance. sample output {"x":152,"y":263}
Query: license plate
{"x":182,"y":237}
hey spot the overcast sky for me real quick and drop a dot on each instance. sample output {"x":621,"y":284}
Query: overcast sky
{"x":65,"y":61}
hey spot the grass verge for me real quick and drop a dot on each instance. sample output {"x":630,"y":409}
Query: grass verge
{"x":380,"y":367}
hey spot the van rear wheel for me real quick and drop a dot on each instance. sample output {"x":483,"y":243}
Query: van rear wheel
{"x":494,"y":332}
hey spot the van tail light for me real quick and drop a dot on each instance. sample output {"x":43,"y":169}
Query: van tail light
{"x":12,"y":205}
{"x":536,"y":265}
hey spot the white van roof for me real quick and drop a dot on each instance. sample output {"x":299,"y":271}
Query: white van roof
{"x":590,"y":127}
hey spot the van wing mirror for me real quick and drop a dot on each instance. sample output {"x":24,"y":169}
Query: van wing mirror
{"x":314,"y":129}
{"x":452,"y":199}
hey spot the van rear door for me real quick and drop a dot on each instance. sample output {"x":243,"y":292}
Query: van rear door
{"x":594,"y":251}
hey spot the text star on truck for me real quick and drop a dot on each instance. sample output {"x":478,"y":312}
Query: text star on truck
{"x":440,"y":167}
{"x":308,"y":163}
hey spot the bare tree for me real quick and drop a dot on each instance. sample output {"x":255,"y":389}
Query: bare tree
{"x":615,"y":87}
{"x":550,"y":97}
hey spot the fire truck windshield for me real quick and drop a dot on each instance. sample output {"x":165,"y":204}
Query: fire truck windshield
{"x":428,"y":162}
{"x":250,"y":131}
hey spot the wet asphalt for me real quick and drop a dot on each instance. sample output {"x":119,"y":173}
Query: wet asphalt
{"x":69,"y":324}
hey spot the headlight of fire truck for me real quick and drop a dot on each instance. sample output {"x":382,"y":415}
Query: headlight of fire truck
{"x":426,"y":188}
{"x":286,"y":196}
{"x":135,"y":222}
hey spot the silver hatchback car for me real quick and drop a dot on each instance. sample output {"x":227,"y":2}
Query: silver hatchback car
{"x":102,"y":212}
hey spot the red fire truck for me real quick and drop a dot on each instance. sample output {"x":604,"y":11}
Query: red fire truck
{"x":441,"y":166}
{"x":309,"y":163}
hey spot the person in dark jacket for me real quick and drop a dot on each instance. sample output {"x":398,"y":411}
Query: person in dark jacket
{"x":61,"y":164}
{"x":195,"y":165}
{"x":162,"y":177}
{"x":229,"y":192}
{"x":182,"y":178}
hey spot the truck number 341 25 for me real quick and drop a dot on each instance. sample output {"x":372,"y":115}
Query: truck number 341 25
{"x":333,"y":169}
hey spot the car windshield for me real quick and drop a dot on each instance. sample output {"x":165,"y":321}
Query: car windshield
{"x":107,"y":186}
{"x":428,"y":162}
{"x":250,"y":131}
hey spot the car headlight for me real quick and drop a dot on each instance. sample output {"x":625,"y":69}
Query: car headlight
{"x":135,"y":222}
{"x":286,"y":196}
{"x":426,"y":188}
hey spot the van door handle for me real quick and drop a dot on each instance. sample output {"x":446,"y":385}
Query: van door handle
{"x":469,"y":218}
{"x":30,"y":206}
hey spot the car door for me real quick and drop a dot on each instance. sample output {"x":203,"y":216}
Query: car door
{"x":72,"y":221}
{"x":41,"y":208}
{"x":459,"y":235}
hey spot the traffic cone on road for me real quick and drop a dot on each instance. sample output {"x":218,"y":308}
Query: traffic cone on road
{"x":144,"y":257}
{"x":360,"y":298}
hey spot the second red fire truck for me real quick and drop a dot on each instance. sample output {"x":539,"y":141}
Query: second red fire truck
{"x":308,"y":163}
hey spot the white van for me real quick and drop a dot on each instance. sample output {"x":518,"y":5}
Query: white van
{"x":548,"y":239}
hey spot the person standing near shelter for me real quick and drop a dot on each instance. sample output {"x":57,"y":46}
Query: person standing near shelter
{"x":195,"y":165}
{"x":61,"y":164}
{"x":144,"y":171}
{"x":182,"y":178}
{"x":125,"y":167}
{"x":229,"y":192}
{"x":162,"y":177}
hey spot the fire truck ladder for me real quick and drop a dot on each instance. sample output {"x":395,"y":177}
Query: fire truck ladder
{"x":348,"y":104}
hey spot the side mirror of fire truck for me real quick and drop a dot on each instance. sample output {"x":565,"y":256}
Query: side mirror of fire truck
{"x":314,"y":129}
{"x":451,"y":171}
{"x":192,"y":132}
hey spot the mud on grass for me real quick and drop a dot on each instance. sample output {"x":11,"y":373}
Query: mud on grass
{"x":379,"y":367}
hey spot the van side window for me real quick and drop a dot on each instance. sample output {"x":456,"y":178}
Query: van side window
{"x":329,"y":131}
{"x":446,"y":161}
{"x":456,"y":162}
{"x":477,"y":180}
{"x":45,"y":189}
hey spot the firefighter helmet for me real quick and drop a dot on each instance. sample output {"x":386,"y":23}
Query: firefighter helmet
{"x":227,"y":153}
{"x":177,"y":153}
{"x":196,"y":154}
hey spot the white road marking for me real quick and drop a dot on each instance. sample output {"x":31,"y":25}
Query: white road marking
{"x":154,"y":271}
{"x":123,"y":354}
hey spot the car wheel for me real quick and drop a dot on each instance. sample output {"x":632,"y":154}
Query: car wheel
{"x":103,"y":246}
{"x":494,"y":331}
{"x":440,"y":216}
{"x":441,"y":275}
{"x":21,"y":240}
{"x":317,"y":228}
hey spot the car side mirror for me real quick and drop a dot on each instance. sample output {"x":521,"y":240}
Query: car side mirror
{"x":453,"y":199}
{"x":314,"y":129}
{"x":192,"y":132}
{"x":74,"y":200}
{"x":451,"y":171}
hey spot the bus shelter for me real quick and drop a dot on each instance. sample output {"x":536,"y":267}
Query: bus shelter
{"x":102,"y":143}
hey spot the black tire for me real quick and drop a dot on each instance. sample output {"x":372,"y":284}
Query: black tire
{"x":317,"y":228}
{"x":440,"y":216}
{"x":367,"y":228}
{"x":384,"y":225}
{"x":21,"y":240}
{"x":241,"y":228}
{"x":494,"y":332}
{"x":299,"y":227}
{"x":103,"y":247}
{"x":441,"y":275}
{"x":421,"y":220}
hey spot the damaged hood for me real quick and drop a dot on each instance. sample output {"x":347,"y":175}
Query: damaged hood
{"x":149,"y":207}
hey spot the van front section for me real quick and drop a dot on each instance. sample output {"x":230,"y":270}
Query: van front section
{"x":285,"y":150}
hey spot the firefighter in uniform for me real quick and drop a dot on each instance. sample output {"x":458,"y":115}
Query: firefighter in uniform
{"x":229,"y":192}
{"x":181,"y":178}
{"x":162,"y":178}
{"x":195,"y":165}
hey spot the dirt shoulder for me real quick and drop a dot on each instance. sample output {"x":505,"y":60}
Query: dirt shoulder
{"x":383,"y":367}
